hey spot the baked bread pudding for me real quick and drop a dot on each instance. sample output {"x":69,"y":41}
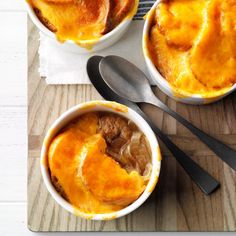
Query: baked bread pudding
{"x":193,"y":44}
{"x":80,"y":20}
{"x":100,"y":163}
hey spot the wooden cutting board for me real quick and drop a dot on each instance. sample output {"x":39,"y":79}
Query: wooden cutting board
{"x":176,"y":204}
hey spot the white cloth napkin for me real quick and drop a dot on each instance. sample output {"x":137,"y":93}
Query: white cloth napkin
{"x":60,"y":67}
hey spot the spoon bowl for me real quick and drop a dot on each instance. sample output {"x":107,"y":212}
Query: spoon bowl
{"x":125,"y":79}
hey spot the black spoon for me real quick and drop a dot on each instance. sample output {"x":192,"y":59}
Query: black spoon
{"x":204,"y":181}
{"x":125,"y":79}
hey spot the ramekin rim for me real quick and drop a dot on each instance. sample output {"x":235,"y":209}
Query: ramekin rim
{"x":156,"y":163}
{"x":152,"y":68}
{"x":93,"y":42}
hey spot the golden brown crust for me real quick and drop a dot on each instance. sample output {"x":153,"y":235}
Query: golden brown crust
{"x":105,"y":178}
{"x":60,"y":1}
{"x":58,"y":187}
{"x":185,"y":44}
{"x":113,"y":12}
{"x":45,"y":21}
{"x":108,"y":23}
{"x":84,"y":175}
{"x":120,"y":9}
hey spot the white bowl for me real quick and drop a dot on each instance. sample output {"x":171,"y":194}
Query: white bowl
{"x":163,"y":84}
{"x":113,"y":107}
{"x":87,"y":46}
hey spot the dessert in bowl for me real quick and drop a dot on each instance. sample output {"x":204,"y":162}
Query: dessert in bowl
{"x":100,"y":160}
{"x":190,"y":50}
{"x":82,"y":26}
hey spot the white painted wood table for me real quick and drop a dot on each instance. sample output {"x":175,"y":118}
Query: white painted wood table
{"x":13,"y":118}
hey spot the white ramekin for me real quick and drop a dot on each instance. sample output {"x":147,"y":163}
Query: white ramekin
{"x":163,"y":84}
{"x":87,"y":46}
{"x":113,"y":107}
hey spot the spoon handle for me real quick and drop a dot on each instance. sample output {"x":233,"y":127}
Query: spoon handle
{"x":198,"y":175}
{"x":227,"y":154}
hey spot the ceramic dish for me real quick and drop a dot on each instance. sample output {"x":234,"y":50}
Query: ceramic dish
{"x":121,"y":110}
{"x":163,"y":84}
{"x":87,"y":46}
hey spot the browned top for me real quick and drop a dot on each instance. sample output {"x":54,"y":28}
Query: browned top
{"x":83,"y":19}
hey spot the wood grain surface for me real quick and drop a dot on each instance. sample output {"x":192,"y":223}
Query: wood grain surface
{"x":176,"y":204}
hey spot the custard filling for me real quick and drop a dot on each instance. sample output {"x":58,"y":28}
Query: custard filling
{"x":79,"y":20}
{"x":192,"y":44}
{"x":100,"y":163}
